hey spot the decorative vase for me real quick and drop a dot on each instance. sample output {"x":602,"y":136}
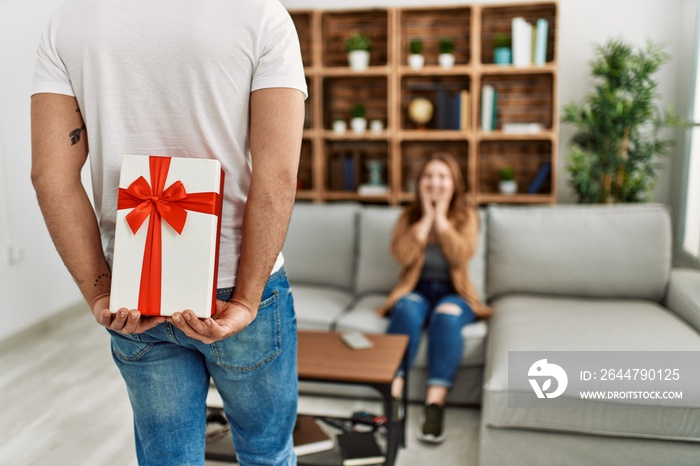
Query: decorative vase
{"x":416,"y":61}
{"x":446,"y":60}
{"x":374,"y":167}
{"x":508,"y":187}
{"x":339,"y":126}
{"x":502,"y":56}
{"x":358,"y":125}
{"x":358,"y":60}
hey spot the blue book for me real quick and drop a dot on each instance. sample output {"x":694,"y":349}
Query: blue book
{"x":540,"y":177}
{"x":541,"y":42}
{"x":456,"y":110}
{"x":443,"y":111}
{"x":349,"y":173}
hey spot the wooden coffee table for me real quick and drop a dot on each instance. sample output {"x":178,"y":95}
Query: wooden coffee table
{"x":324,"y":357}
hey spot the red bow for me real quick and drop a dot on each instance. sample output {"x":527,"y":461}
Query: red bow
{"x":153,"y":203}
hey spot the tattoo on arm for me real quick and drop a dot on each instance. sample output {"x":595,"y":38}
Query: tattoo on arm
{"x":104,"y":275}
{"x":75,"y":134}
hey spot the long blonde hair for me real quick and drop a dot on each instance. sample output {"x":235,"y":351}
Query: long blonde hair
{"x":457,"y":212}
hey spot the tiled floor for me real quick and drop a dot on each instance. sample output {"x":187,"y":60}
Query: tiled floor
{"x":63,"y":403}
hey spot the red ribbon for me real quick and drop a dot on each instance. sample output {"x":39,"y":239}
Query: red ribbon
{"x":154,"y":203}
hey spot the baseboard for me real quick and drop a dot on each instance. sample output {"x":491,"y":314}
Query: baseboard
{"x":41,"y":327}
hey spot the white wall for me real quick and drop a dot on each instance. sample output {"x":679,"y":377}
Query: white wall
{"x":39,"y":286}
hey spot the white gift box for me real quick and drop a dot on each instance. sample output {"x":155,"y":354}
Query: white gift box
{"x":157,"y":269}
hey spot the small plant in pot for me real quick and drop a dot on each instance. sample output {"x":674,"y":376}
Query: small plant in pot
{"x":416,"y":59}
{"x":447,"y":50}
{"x":507,"y":184}
{"x":502,"y":54}
{"x":358,"y":46}
{"x":358,"y":123}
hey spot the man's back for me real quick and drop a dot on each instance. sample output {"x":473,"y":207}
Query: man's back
{"x":168,"y":77}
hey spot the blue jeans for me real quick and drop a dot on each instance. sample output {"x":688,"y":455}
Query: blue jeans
{"x":416,"y":311}
{"x":255,"y":371}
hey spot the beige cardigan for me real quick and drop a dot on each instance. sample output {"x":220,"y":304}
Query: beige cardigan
{"x":458,"y":245}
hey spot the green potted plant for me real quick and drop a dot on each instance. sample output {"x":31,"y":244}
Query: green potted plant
{"x":358,"y":123}
{"x":618,"y":137}
{"x":507,"y":183}
{"x":447,"y":49}
{"x":358,"y":46}
{"x":501,"y":49}
{"x":416,"y":59}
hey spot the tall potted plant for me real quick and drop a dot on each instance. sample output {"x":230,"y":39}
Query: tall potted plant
{"x":358,"y":46}
{"x":614,"y":151}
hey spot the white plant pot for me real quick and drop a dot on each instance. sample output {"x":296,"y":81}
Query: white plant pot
{"x":358,"y":125}
{"x":446,"y":60}
{"x":340,"y":126}
{"x":508,"y":187}
{"x":358,"y":60}
{"x":377,"y":126}
{"x":416,"y":61}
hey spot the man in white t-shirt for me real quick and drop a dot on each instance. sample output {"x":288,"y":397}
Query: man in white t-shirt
{"x":221,"y":79}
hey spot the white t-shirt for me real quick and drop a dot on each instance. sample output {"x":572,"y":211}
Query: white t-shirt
{"x":170,"y":77}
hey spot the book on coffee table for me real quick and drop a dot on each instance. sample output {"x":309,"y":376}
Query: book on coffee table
{"x":309,"y":437}
{"x":359,"y":449}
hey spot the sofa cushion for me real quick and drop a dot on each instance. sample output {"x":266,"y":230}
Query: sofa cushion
{"x":683,"y":296}
{"x":527,"y":323}
{"x":317,"y":307}
{"x":621,"y":251}
{"x":378,"y":271}
{"x":320,"y":245}
{"x":362,"y":317}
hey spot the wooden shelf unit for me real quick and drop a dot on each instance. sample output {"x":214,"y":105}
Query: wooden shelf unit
{"x":387,"y":87}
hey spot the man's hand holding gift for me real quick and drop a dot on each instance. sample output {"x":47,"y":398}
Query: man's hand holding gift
{"x":230,"y":318}
{"x":124,"y":320}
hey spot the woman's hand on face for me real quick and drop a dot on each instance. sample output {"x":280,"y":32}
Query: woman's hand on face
{"x":426,"y":201}
{"x":442,"y":203}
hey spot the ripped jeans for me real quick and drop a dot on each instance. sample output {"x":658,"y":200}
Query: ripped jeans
{"x":435,"y":306}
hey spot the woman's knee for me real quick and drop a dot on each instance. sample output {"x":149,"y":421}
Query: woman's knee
{"x":449,"y":309}
{"x":409,"y":303}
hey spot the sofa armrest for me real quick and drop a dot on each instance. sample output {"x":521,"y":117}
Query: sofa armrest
{"x":683,"y":296}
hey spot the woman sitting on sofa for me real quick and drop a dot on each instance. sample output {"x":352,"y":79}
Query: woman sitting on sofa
{"x":433,"y":241}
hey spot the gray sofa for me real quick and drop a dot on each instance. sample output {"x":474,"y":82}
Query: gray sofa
{"x":560,"y":278}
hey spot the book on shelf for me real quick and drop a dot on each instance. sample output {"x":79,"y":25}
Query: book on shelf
{"x":464,"y":113}
{"x":541,"y":42}
{"x":309,"y":437}
{"x":359,"y":448}
{"x":539,"y":178}
{"x":487,"y":110}
{"x":529,"y":42}
{"x":521,"y":39}
{"x":522,"y":128}
{"x":442,"y":112}
{"x":494,"y":112}
{"x":448,"y":111}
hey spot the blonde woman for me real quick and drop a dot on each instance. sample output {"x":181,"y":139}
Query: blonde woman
{"x":433,"y":241}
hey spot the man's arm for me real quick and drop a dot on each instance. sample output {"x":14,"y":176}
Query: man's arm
{"x":59,"y":151}
{"x":276,"y":126}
